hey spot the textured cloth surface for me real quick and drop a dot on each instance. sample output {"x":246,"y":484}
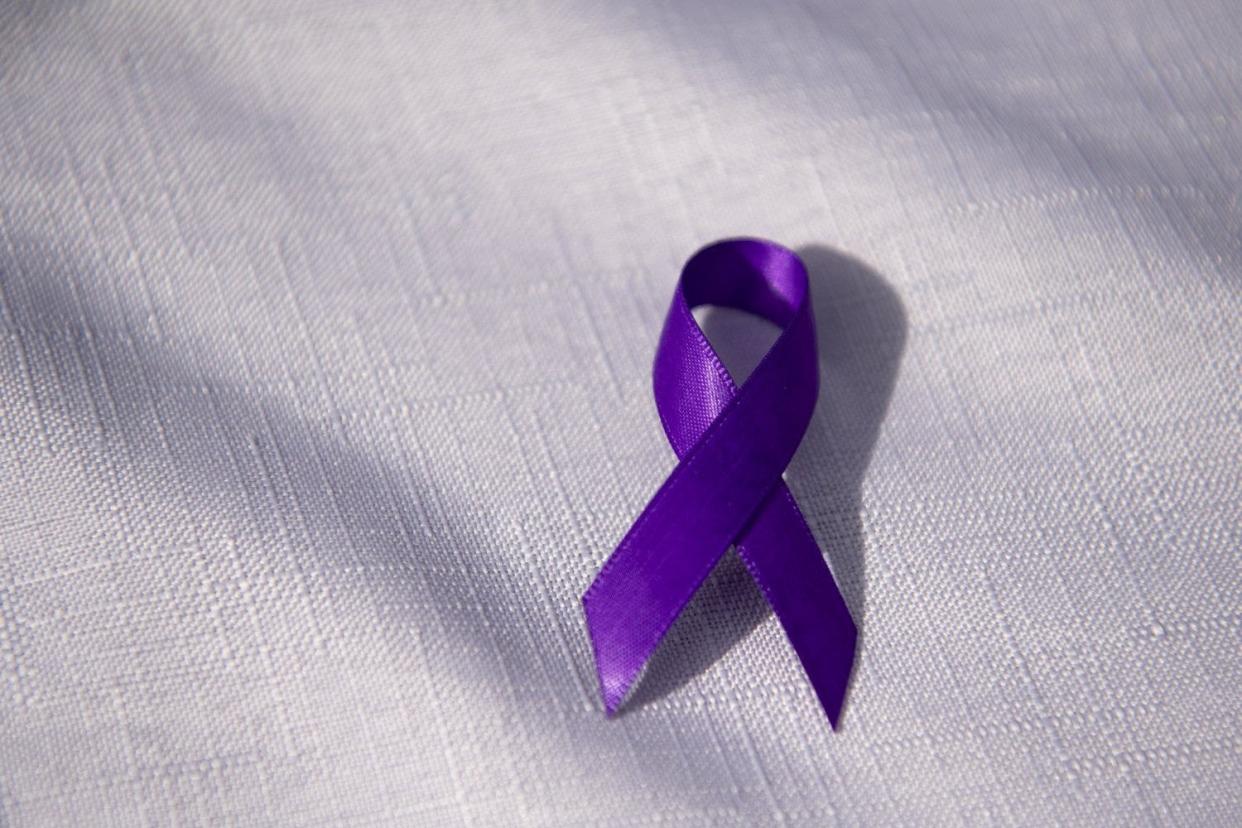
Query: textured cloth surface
{"x":325,"y":389}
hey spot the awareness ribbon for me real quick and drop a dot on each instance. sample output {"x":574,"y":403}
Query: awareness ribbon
{"x":733,"y":445}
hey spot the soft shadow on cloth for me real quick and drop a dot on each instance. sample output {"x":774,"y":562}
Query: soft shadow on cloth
{"x":861,"y":326}
{"x":187,"y":421}
{"x":327,"y":484}
{"x":171,"y":425}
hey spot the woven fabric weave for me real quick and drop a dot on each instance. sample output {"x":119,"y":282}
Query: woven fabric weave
{"x":325,"y":390}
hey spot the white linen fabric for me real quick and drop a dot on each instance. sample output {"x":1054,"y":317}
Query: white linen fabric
{"x":324,"y":392}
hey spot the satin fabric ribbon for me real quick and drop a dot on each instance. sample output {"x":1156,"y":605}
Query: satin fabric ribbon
{"x":733,"y":445}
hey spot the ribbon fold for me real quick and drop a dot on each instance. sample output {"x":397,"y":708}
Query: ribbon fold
{"x":733,"y":445}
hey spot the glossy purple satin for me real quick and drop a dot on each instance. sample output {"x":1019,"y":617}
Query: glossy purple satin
{"x":733,"y":446}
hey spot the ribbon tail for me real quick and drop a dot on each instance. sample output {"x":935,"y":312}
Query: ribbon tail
{"x":657,"y":568}
{"x":783,"y":558}
{"x":629,"y":610}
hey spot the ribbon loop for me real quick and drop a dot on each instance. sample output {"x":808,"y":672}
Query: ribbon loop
{"x":733,"y":445}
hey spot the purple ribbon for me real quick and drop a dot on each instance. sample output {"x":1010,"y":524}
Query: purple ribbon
{"x":733,"y":445}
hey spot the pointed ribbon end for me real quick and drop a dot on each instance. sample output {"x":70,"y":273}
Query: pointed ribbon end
{"x":614,"y":682}
{"x":611,"y":692}
{"x":833,"y":684}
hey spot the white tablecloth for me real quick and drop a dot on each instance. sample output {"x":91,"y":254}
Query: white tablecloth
{"x":324,"y":392}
